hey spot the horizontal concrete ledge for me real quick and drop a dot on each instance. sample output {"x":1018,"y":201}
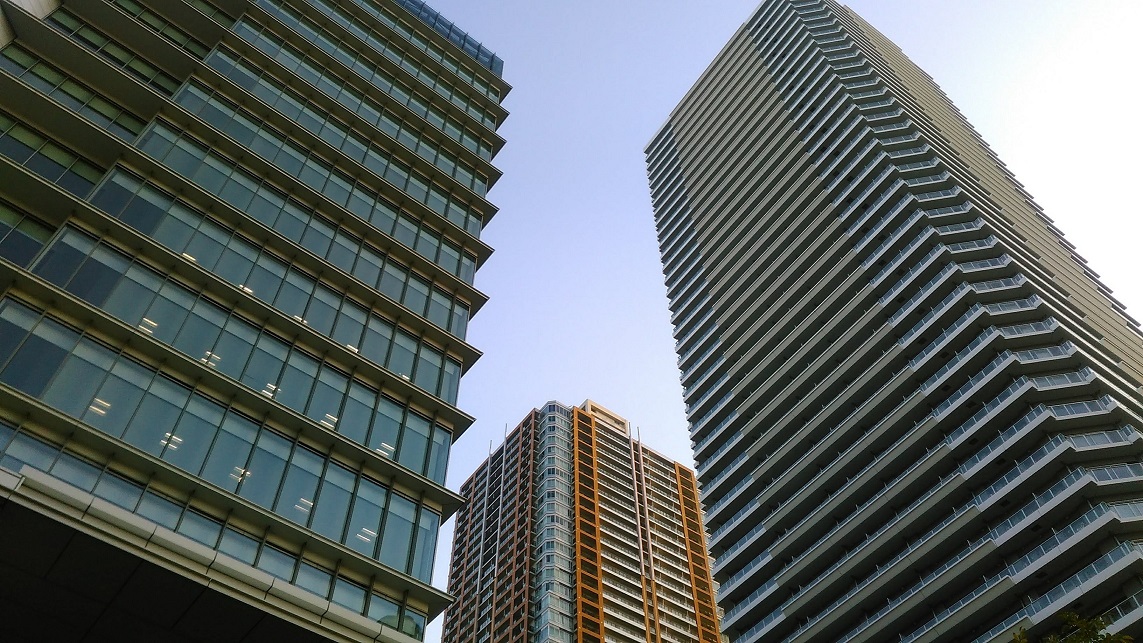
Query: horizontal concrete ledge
{"x":10,"y":481}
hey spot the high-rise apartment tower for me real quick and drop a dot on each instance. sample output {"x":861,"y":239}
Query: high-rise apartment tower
{"x":576,"y":533}
{"x":915,"y":410}
{"x":237,"y":248}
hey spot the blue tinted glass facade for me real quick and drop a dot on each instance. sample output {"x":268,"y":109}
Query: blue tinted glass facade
{"x":238,"y":248}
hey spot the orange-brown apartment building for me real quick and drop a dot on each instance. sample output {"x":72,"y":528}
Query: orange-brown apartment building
{"x":576,"y":533}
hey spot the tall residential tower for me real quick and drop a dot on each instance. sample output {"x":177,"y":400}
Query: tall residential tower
{"x":915,"y":410}
{"x":576,"y":533}
{"x":237,"y":248}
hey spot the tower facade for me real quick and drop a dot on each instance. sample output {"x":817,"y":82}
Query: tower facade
{"x":237,"y":248}
{"x":576,"y":533}
{"x":915,"y":411}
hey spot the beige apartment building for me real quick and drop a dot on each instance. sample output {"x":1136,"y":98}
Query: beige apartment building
{"x":915,"y":411}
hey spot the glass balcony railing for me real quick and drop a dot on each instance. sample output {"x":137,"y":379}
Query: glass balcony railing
{"x":975,"y":244}
{"x":1070,"y":585}
{"x":953,"y":329}
{"x":937,"y":310}
{"x":893,"y":238}
{"x":999,"y":284}
{"x":1009,"y":393}
{"x":893,"y":263}
{"x":985,"y":264}
{"x":1129,"y":511}
{"x":906,"y":151}
{"x":923,"y":291}
{"x":881,"y":223}
{"x":1031,"y":328}
{"x":953,"y":228}
{"x":1013,"y":306}
{"x":993,"y":367}
{"x":988,"y":335}
{"x":873,"y":184}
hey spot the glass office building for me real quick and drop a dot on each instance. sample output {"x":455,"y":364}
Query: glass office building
{"x":237,"y":248}
{"x":577,"y":533}
{"x":915,"y":410}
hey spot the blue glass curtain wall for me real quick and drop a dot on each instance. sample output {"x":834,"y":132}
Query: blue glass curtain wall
{"x":155,"y":212}
{"x":355,"y":144}
{"x":217,"y":174}
{"x":18,"y":448}
{"x":222,"y":340}
{"x":58,"y":84}
{"x":78,"y":376}
{"x":111,"y":51}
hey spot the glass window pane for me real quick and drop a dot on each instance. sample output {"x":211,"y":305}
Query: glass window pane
{"x":98,"y":274}
{"x":236,"y":262}
{"x":118,"y":397}
{"x":439,"y":306}
{"x":413,"y":624}
{"x":429,"y":364}
{"x":378,"y":337}
{"x":176,"y":229}
{"x":201,"y":329}
{"x":276,"y":562}
{"x":118,"y":491}
{"x":450,"y":381}
{"x":417,"y":295}
{"x":294,"y":294}
{"x":384,"y":610}
{"x":393,"y":282}
{"x":403,"y":354}
{"x":425,"y":546}
{"x":398,"y":539}
{"x":75,"y":471}
{"x":365,"y":517}
{"x":386,"y":427}
{"x":265,"y":365}
{"x":438,"y":455}
{"x":159,"y":510}
{"x":350,"y":325}
{"x":264,"y":473}
{"x":299,"y":488}
{"x":192,"y":437}
{"x":133,"y":295}
{"x":226,"y":464}
{"x":40,"y":356}
{"x":238,"y":545}
{"x":415,"y":442}
{"x":349,"y":595}
{"x":64,"y":256}
{"x":357,"y":413}
{"x":313,"y":579}
{"x":152,"y":425}
{"x":206,"y":245}
{"x":297,"y":381}
{"x":147,"y":210}
{"x":322,"y":310}
{"x":200,"y":527}
{"x":167,"y":312}
{"x":317,"y":237}
{"x":329,"y":393}
{"x":233,"y":347}
{"x":406,"y":232}
{"x":16,"y":322}
{"x":25,"y":449}
{"x":79,"y":378}
{"x":332,"y":508}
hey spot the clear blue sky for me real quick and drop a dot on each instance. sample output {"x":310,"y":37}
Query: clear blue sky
{"x":578,"y":309}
